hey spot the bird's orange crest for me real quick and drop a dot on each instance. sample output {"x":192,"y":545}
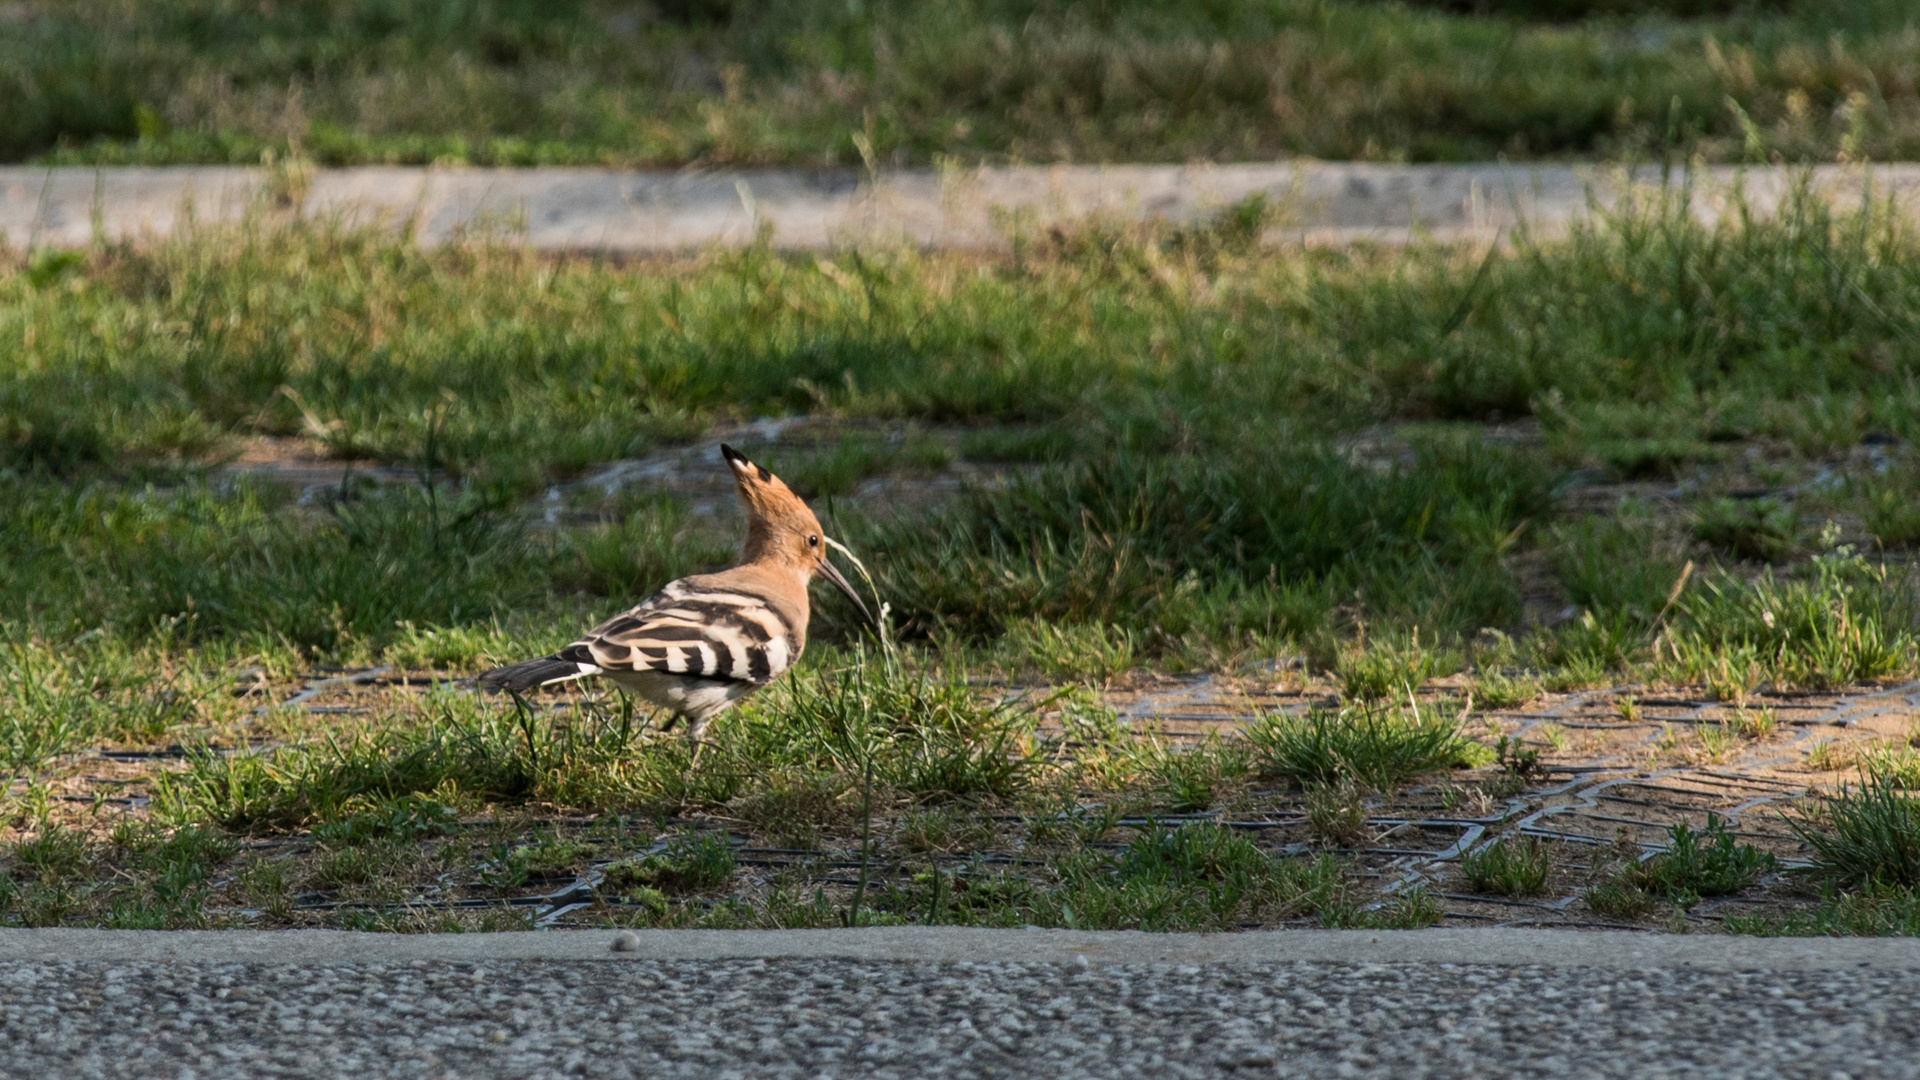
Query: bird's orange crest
{"x":775,"y":515}
{"x":765,"y":494}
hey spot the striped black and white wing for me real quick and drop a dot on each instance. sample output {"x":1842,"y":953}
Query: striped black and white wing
{"x":696,"y":630}
{"x":700,"y":631}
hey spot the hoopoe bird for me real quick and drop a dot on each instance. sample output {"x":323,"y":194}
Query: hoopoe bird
{"x":706,"y":641}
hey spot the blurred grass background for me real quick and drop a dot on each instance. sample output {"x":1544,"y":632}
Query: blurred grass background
{"x":842,"y":82}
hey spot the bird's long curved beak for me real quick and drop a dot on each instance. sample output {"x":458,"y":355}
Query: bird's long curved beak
{"x":832,"y":573}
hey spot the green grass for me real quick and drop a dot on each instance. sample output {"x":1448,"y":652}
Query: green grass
{"x":1380,"y":670}
{"x":1093,"y":653}
{"x":1620,"y":899}
{"x":1508,"y":867}
{"x":1337,"y":815}
{"x":1150,"y":884}
{"x":821,"y":81}
{"x":104,"y":689}
{"x":1892,"y":509}
{"x":1876,"y":913}
{"x":453,"y":360}
{"x":1193,"y":778}
{"x":925,"y":735}
{"x":1176,"y":546}
{"x":1696,"y":864}
{"x":687,"y":863}
{"x":1844,"y":620}
{"x":1189,"y":456}
{"x":1619,"y":568}
{"x":1761,"y":530}
{"x":163,"y":879}
{"x":411,"y":816}
{"x":1865,"y":837}
{"x":1191,"y":877}
{"x":1382,"y":746}
{"x":1495,"y":689}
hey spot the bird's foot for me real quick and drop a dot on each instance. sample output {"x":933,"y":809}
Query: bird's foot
{"x":696,"y":734}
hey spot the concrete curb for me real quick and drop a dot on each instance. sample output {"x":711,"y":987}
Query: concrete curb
{"x":1550,"y":948}
{"x":653,"y":213}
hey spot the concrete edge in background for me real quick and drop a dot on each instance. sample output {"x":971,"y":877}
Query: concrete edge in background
{"x":988,"y":209}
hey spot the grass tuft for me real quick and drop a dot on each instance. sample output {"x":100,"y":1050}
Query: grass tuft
{"x":929,"y":736}
{"x":1845,"y":621}
{"x":1191,"y":779}
{"x":1495,"y":689}
{"x":686,"y":864}
{"x":1619,"y":899}
{"x":1760,"y":529}
{"x":408,"y":817}
{"x":1865,"y":836}
{"x":1508,"y":867}
{"x":1379,"y":746}
{"x":53,"y":854}
{"x":1876,"y":913}
{"x":1700,"y":864}
{"x":1337,"y":814}
{"x":1195,"y":877}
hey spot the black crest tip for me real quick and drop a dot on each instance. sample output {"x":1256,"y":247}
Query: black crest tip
{"x":740,"y":463}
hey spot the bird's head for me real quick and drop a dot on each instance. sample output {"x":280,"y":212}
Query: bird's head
{"x":781,"y":529}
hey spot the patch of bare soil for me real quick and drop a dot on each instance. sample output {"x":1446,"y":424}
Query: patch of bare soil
{"x":305,"y":466}
{"x":1617,"y":769}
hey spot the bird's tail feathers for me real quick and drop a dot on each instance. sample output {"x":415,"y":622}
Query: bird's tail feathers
{"x":528,"y":674}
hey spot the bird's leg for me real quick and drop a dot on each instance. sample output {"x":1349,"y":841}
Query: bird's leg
{"x":696,"y":730}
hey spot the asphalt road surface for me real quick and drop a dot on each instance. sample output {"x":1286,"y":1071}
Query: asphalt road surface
{"x":910,"y":1005}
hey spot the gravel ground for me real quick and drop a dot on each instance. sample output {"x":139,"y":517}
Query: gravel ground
{"x":911,"y":1019}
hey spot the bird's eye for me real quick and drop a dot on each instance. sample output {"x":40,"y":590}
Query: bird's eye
{"x":813,"y":541}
